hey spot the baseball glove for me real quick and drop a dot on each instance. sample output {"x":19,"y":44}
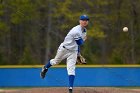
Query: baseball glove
{"x":81,"y":60}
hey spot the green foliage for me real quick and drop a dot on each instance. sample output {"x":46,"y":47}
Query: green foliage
{"x":3,"y":28}
{"x":2,"y":62}
{"x":1,"y":10}
{"x":116,"y":57}
{"x":23,"y":10}
{"x":29,"y":27}
{"x":91,"y":51}
{"x":96,"y":32}
{"x":27,"y":58}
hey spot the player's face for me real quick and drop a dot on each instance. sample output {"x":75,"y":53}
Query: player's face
{"x":83,"y":23}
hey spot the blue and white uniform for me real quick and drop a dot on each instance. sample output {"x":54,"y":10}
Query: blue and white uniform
{"x":75,"y":34}
{"x":69,"y":48}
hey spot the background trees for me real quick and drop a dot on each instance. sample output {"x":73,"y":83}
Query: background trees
{"x":31,"y":30}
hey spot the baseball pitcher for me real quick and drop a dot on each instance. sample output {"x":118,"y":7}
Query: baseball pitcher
{"x":70,"y":50}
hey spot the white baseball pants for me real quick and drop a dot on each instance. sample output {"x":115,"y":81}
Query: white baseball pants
{"x":63,"y":53}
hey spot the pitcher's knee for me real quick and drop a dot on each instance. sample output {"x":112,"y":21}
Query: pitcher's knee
{"x":71,"y":71}
{"x":54,"y":62}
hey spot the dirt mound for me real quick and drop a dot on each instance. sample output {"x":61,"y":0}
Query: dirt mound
{"x":76,"y":90}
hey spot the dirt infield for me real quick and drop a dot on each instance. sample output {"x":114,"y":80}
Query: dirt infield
{"x":76,"y":90}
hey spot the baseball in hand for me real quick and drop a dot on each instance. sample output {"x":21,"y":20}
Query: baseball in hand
{"x":125,"y":29}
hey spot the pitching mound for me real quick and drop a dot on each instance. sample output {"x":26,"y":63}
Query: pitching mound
{"x":76,"y":90}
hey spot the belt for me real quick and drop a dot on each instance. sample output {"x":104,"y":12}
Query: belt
{"x":65,"y":47}
{"x":68,"y":49}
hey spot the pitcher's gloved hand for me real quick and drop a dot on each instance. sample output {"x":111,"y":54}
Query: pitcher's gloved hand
{"x":81,"y":60}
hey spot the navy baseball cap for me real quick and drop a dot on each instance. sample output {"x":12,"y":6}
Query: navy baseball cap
{"x":84,"y":17}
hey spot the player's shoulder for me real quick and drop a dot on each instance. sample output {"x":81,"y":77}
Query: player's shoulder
{"x":76,"y":29}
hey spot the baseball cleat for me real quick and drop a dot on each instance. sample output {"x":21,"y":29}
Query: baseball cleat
{"x":43,"y":72}
{"x":70,"y":90}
